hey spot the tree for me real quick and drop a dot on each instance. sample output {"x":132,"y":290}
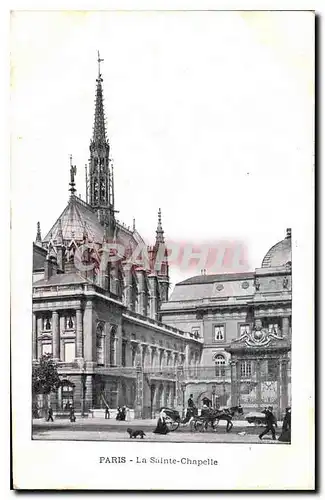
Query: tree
{"x":45,"y":377}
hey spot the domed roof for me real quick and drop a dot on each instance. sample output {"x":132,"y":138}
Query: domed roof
{"x":280,"y":253}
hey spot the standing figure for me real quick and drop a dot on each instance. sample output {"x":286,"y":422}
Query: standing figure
{"x":270,"y":423}
{"x":286,"y":427}
{"x":161,"y":424}
{"x":72,"y":414}
{"x":123,"y":413}
{"x":50,"y":414}
{"x":119,"y":415}
{"x":107,"y":415}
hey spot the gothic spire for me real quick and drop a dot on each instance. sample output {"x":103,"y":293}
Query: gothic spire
{"x":99,"y":132}
{"x":159,"y":232}
{"x":99,"y":182}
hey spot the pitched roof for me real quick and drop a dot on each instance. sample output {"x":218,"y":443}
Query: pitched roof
{"x":75,"y":218}
{"x":78,"y":216}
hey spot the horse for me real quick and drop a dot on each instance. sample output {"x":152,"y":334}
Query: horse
{"x":213,"y":417}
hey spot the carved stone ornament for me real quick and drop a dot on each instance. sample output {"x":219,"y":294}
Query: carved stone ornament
{"x":219,"y":287}
{"x":258,"y":337}
{"x":245,"y":285}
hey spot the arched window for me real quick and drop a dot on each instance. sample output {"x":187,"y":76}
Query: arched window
{"x":100,"y":344}
{"x":220,"y":363}
{"x":112,"y":353}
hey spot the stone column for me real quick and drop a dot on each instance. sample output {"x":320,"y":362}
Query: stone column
{"x":153,"y":296}
{"x":234,"y":375}
{"x":39,"y":332}
{"x":285,"y":326}
{"x":88,"y":327}
{"x":259,"y":383}
{"x":284,"y":384}
{"x":153,"y":389}
{"x":79,"y":334}
{"x":62,"y":329}
{"x":34,"y":338}
{"x":129,"y":289}
{"x":55,"y":335}
{"x":142,"y":292}
{"x":179,"y":391}
{"x":187,"y":355}
{"x":139,"y":392}
{"x":88,"y":392}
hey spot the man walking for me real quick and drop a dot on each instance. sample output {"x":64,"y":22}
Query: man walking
{"x":50,"y":414}
{"x":270,"y":423}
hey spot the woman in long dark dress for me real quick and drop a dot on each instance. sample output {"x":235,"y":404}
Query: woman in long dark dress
{"x":161,"y":424}
{"x":286,"y":427}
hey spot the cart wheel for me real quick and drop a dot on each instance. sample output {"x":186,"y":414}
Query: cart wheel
{"x":172,"y":425}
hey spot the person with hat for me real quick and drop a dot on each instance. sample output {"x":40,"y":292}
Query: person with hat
{"x":270,"y":423}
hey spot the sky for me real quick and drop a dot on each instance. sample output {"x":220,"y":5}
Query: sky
{"x":209,"y":117}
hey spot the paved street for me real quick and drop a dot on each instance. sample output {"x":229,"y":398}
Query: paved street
{"x":98,"y":429}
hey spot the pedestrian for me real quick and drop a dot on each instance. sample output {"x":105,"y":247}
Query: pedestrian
{"x":162,"y":427}
{"x":50,"y":414}
{"x":72,"y":414}
{"x":107,"y":415}
{"x":285,"y":436}
{"x":270,"y":423}
{"x":190,"y":402}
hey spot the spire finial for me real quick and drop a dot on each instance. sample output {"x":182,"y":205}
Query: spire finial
{"x":133,"y":224}
{"x":288,"y":235}
{"x":38,"y":233}
{"x":73,"y":171}
{"x":99,"y":60}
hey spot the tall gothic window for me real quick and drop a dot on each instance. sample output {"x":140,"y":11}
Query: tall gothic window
{"x":100,"y":344}
{"x":112,"y":352}
{"x":220,"y":363}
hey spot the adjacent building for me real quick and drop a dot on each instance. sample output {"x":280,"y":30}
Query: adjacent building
{"x":245,"y":322}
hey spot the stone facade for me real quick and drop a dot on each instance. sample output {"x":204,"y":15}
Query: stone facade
{"x":245,"y":322}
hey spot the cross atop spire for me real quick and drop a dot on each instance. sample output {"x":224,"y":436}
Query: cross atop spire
{"x":99,"y":60}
